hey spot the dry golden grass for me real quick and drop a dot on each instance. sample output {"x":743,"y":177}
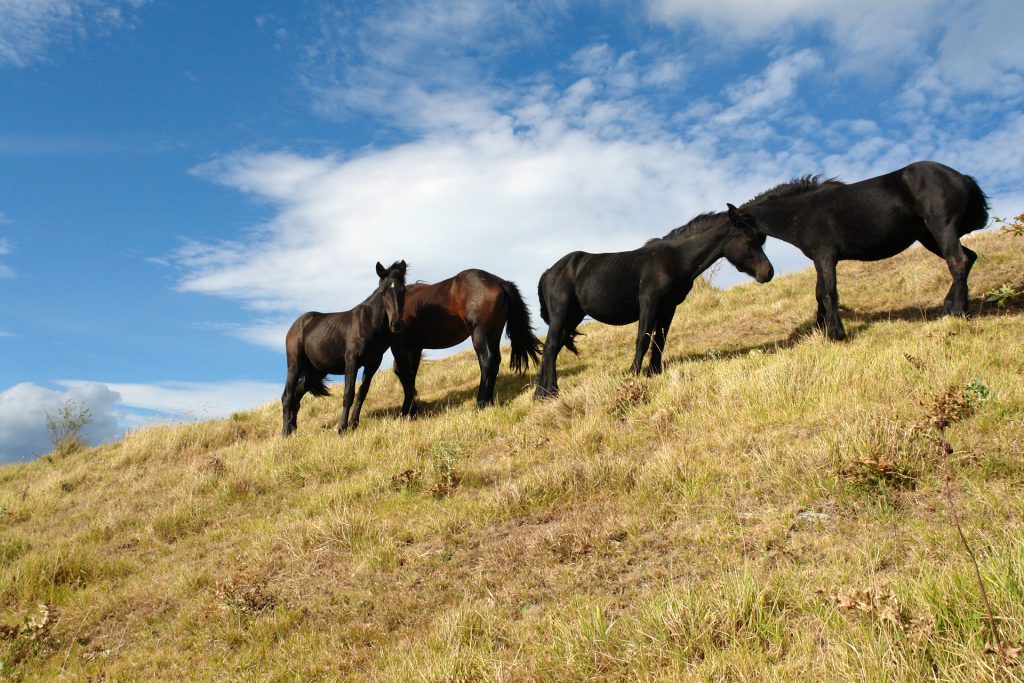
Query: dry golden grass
{"x":771,"y":508}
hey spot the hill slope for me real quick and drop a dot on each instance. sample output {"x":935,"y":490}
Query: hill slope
{"x":771,"y":507}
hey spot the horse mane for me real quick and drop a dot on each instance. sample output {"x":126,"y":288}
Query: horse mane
{"x":405,"y":272}
{"x":802,"y":185}
{"x":695,"y":225}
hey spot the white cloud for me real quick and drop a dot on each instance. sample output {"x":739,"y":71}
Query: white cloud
{"x":23,"y":411}
{"x":399,"y":60}
{"x":29,"y":27}
{"x":190,"y":400}
{"x":764,"y":92}
{"x":510,"y":199}
{"x":864,"y":28}
{"x":975,"y":48}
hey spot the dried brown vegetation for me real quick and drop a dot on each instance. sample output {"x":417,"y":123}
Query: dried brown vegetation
{"x":773,"y":507}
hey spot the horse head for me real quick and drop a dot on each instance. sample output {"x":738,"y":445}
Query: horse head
{"x":745,"y":246}
{"x":392,"y":289}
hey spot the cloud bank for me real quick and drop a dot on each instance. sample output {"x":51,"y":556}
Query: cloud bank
{"x":116,"y":408}
{"x":24,"y":408}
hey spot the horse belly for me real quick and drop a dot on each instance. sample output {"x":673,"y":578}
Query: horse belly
{"x":325,"y":346}
{"x":438,"y":331}
{"x":611,"y":308}
{"x":881,"y":239}
{"x":327,"y":363}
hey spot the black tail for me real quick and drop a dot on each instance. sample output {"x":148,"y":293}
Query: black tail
{"x":525,"y":345}
{"x":570,"y":342}
{"x":314,"y":385}
{"x":976,"y":216}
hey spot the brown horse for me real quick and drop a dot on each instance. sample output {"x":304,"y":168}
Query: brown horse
{"x":474,"y":304}
{"x":319,"y":344}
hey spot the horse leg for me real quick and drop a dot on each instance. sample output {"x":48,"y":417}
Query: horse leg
{"x":660,"y":334}
{"x":644,"y":331}
{"x":368,"y":372}
{"x":290,"y":402}
{"x":558,"y":334}
{"x":959,"y":259}
{"x":488,"y":353}
{"x":407,"y":364}
{"x":351,"y":368}
{"x":828,"y":299}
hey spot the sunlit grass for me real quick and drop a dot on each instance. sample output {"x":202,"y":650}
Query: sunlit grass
{"x":770,"y":508}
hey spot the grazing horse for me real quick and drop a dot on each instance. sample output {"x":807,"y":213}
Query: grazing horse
{"x":645,"y":285}
{"x":321,"y":344}
{"x":874,"y":219}
{"x":474,"y":304}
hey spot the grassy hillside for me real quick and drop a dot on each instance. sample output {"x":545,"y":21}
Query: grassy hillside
{"x":771,"y":508}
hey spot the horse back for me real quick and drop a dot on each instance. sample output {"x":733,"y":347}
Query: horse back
{"x":322,"y":339}
{"x":443,"y":314}
{"x":605,"y":286}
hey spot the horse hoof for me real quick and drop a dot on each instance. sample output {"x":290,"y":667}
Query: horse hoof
{"x":543,"y":394}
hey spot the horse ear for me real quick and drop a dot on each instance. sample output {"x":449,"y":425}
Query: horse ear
{"x":741,"y":219}
{"x":381,"y":270}
{"x":734,"y":214}
{"x":402,"y":266}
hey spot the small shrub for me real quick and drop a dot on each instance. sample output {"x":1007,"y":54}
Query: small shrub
{"x":443,"y":456}
{"x":630,"y":393}
{"x":65,"y":428}
{"x":957,"y":403}
{"x":889,"y":453}
{"x":247,"y":593}
{"x":406,"y":480}
{"x":1001,"y":294}
{"x":32,"y":638}
{"x":1014,"y":226}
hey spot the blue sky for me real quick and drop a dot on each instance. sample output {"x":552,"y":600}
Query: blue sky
{"x":179,"y":180}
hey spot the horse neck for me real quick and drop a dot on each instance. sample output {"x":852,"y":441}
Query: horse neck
{"x":701,"y":249}
{"x":374,"y":306}
{"x":774,"y":218}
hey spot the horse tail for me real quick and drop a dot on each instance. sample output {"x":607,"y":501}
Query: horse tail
{"x":295,"y":345}
{"x":525,"y":345}
{"x":316,"y":386}
{"x":543,"y":300}
{"x":570,"y":342}
{"x":976,"y":216}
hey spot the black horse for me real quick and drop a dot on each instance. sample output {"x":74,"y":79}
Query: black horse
{"x":874,"y":219}
{"x":474,"y":304}
{"x":321,"y":344}
{"x":645,"y":285}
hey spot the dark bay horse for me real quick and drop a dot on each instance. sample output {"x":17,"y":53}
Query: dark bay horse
{"x":474,"y":304}
{"x":874,"y":219}
{"x":321,"y":344}
{"x":645,"y":285}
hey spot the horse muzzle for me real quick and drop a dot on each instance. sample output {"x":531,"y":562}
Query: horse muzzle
{"x":765,"y":275}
